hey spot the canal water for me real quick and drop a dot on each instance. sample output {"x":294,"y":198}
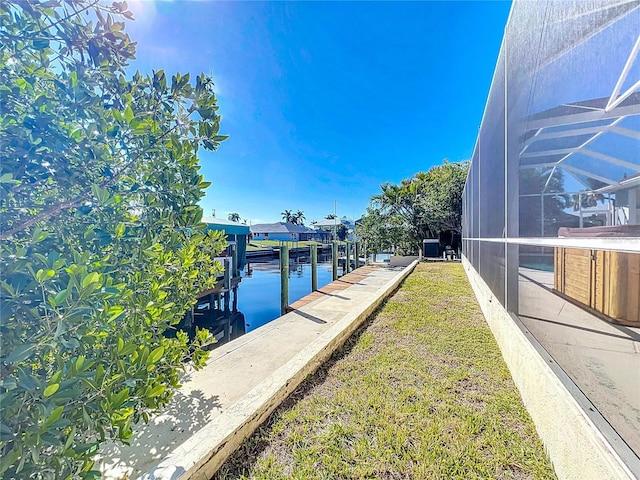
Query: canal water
{"x":259,"y":290}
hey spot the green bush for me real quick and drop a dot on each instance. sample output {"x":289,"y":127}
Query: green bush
{"x":102,"y":248}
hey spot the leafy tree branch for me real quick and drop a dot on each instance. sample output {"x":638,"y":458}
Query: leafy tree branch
{"x":102,"y":248}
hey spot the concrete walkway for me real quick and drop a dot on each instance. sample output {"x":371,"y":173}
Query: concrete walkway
{"x":245,"y":380}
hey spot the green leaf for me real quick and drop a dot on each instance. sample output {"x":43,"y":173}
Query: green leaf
{"x":155,"y":355}
{"x":120,"y":228}
{"x":99,"y":373}
{"x":61,"y":296}
{"x":128,"y":349}
{"x":90,"y":278}
{"x":86,"y":448}
{"x":54,"y":417}
{"x":40,"y":43}
{"x":8,"y":288}
{"x":51,"y":389}
{"x":21,"y":353}
{"x":157,"y":390}
{"x":26,"y":381}
{"x":7,"y":178}
{"x":79,"y":363}
{"x":38,"y":235}
{"x":65,"y":394}
{"x":44,"y":275}
{"x":8,"y":383}
{"x":5,"y":433}
{"x":128,"y":114}
{"x":102,"y":194}
{"x":10,"y":459}
{"x":56,"y":377}
{"x":71,"y":344}
{"x":21,"y":83}
{"x":70,"y":439}
{"x":115,"y":312}
{"x":119,"y":398}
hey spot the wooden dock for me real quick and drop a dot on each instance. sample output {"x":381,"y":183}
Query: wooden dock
{"x":341,"y":283}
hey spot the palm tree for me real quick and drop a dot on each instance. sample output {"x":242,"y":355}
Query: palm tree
{"x":234,"y":217}
{"x":287,"y":216}
{"x":331,"y":216}
{"x":298,"y":218}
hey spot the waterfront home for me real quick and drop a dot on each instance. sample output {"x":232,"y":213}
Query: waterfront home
{"x":328,"y":223}
{"x":287,"y":232}
{"x":331,"y":224}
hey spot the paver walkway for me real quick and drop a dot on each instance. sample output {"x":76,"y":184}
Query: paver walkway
{"x":341,"y":283}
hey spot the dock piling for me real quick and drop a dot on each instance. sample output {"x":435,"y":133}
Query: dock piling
{"x":227,"y":274}
{"x":227,"y":297}
{"x":284,"y":279}
{"x":314,"y":267}
{"x":347,"y":259}
{"x":357,"y":255}
{"x":334,"y":254}
{"x":234,"y":261}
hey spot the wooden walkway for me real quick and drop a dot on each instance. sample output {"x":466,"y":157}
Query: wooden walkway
{"x":341,"y":283}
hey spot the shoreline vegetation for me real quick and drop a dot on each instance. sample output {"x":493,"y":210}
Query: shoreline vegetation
{"x":420,"y":391}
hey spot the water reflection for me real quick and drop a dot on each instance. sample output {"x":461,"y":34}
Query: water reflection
{"x":216,"y":311}
{"x":260,"y":291}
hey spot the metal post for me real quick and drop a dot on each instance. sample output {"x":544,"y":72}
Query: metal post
{"x":365,"y":252}
{"x":580,"y":209}
{"x":334,"y":254}
{"x":357,"y":254}
{"x":234,"y":253}
{"x":235,"y":299}
{"x":227,"y":274}
{"x":227,"y":286}
{"x":284,"y":279}
{"x":314,"y":267}
{"x":335,"y":220}
{"x":541,"y":215}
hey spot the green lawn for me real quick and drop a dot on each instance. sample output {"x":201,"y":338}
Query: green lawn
{"x":420,"y":392}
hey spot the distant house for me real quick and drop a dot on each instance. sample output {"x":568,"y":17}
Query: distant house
{"x":286,"y":232}
{"x":330,"y":224}
{"x":237,"y":234}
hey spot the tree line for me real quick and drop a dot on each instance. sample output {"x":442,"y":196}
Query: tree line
{"x":427,"y":205}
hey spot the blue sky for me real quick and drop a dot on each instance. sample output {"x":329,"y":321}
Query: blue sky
{"x":324,"y":101}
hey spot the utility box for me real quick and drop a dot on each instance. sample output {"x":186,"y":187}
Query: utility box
{"x":431,"y":248}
